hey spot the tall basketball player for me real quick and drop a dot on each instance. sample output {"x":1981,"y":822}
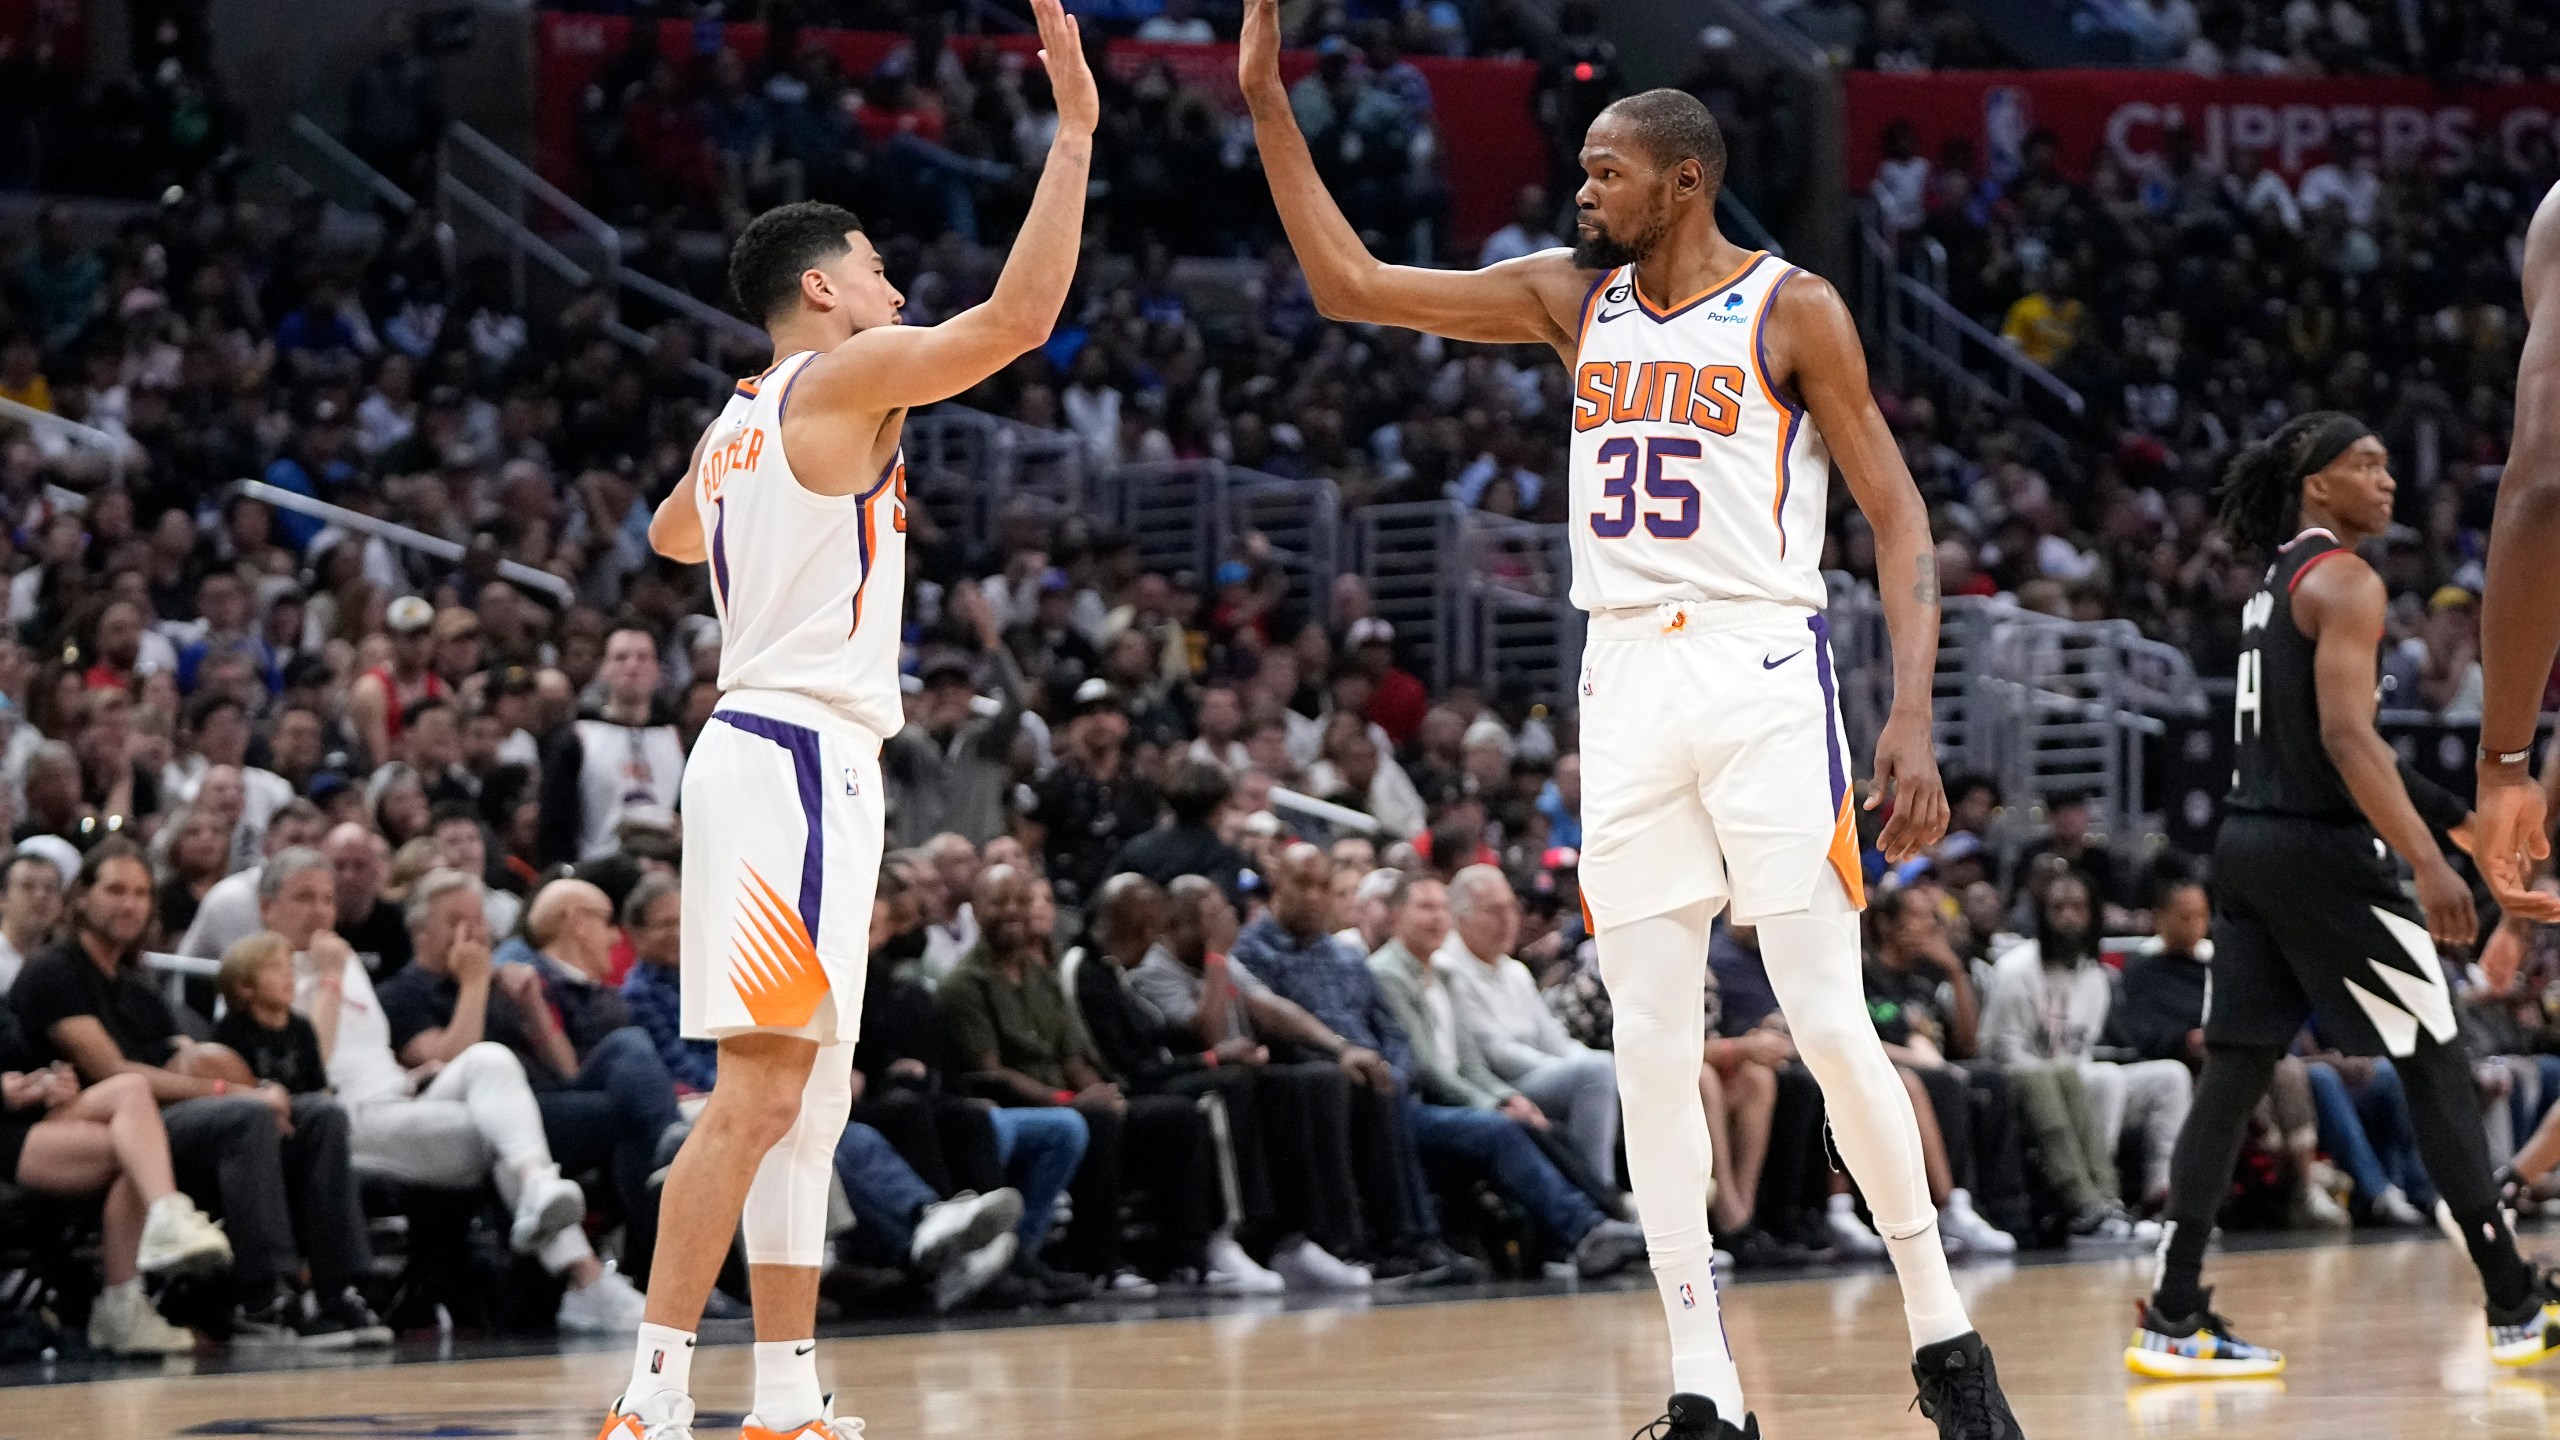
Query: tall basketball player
{"x":796,"y":498}
{"x":2520,"y":605}
{"x":1713,"y":388}
{"x":2314,"y":921}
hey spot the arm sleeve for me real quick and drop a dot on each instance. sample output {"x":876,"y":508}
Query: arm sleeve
{"x":2439,"y":807}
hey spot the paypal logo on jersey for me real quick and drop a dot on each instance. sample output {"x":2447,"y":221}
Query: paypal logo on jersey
{"x":1730,"y":312}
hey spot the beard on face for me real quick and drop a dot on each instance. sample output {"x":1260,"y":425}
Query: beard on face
{"x":1601,"y":250}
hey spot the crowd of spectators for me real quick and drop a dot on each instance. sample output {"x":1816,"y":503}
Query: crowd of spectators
{"x":2194,"y":306}
{"x":2458,"y":41}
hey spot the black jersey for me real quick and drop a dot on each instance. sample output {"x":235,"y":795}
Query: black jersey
{"x":2282,"y":768}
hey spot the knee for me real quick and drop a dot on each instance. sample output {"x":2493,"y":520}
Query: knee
{"x":1833,"y":1035}
{"x":126,"y":1091}
{"x":488,"y":1059}
{"x":760,"y":1116}
{"x":319,"y":1117}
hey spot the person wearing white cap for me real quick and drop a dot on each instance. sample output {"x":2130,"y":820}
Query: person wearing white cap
{"x":382,"y":695}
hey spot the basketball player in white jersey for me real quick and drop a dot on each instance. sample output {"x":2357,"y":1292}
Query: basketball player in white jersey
{"x":796,"y":500}
{"x":1714,"y":387}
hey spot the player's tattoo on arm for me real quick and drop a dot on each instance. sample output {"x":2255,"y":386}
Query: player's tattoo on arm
{"x":1925,"y":588}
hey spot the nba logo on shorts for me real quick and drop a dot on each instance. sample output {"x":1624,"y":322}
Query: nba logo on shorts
{"x":1688,"y":1297}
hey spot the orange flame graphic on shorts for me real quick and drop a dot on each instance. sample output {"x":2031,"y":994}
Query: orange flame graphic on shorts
{"x":776,"y":972}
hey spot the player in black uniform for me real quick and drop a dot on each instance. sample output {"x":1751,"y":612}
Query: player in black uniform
{"x":2313,"y":919}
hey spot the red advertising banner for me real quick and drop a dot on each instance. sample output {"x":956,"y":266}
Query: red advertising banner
{"x":1491,"y":143}
{"x":2292,"y":124}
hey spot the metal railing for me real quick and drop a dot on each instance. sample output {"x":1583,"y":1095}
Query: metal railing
{"x":114,"y":450}
{"x":521,"y":212}
{"x":1906,"y":310}
{"x":2046,"y":706}
{"x":401,"y":535}
{"x":347,"y":164}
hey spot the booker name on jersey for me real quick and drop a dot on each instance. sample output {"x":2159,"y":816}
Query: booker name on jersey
{"x":809,"y":587}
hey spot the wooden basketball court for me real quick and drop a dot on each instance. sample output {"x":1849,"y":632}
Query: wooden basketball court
{"x":2385,"y":1340}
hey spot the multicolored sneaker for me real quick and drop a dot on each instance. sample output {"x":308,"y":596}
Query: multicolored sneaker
{"x":2196,"y":1347}
{"x":2530,"y":1333}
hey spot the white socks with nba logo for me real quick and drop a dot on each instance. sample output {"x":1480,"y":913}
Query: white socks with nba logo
{"x":661,"y":1365}
{"x":787,"y":1394}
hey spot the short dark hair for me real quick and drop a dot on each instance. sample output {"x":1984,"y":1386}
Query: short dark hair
{"x":1196,"y":790}
{"x":1674,"y":126}
{"x":210,"y":703}
{"x":777,"y":246}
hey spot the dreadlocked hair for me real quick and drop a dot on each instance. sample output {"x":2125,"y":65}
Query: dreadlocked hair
{"x":2261,"y":490}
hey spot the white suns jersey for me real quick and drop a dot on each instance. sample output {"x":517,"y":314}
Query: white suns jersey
{"x":1692,"y":477}
{"x":809,"y":587}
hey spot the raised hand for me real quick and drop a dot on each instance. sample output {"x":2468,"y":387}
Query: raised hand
{"x":1070,"y":79}
{"x":1258,"y":48}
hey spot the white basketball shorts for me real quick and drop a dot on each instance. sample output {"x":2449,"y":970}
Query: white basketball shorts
{"x":783,"y":825}
{"x":1714,"y":766}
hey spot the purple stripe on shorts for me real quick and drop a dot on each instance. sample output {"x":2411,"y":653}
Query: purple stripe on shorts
{"x":802,"y":742}
{"x":1820,"y":625}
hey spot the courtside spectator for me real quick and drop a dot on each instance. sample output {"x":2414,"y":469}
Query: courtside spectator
{"x":274,"y":1164}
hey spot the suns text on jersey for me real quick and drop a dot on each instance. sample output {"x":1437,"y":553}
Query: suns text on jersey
{"x":1656,"y":391}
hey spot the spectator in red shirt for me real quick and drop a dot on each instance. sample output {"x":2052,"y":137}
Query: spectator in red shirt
{"x":1398,"y":701}
{"x":118,"y":648}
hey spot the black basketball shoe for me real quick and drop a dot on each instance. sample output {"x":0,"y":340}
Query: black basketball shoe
{"x":1960,"y":1390}
{"x":1693,"y":1417}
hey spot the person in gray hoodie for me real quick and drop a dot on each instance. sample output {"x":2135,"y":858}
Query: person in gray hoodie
{"x":2046,"y":1010}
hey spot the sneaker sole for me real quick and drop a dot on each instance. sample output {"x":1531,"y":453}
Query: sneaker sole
{"x":2161,"y":1365}
{"x":984,"y":1226}
{"x":2518,"y":1356}
{"x":187,"y":1264}
{"x":568,"y":1206}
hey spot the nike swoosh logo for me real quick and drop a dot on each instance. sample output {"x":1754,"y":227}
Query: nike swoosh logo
{"x":1605,"y":316}
{"x":805,"y":1349}
{"x":1768,"y":664}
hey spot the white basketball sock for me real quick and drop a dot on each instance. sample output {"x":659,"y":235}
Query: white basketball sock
{"x":787,"y":1394}
{"x":662,"y":1364}
{"x":1813,"y":964}
{"x":1656,"y":973}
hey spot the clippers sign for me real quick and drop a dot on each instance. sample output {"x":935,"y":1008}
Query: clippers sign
{"x":2293,"y":125}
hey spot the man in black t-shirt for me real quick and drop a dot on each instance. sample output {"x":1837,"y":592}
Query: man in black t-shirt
{"x":609,"y":1110}
{"x":90,"y":1001}
{"x":369,"y":924}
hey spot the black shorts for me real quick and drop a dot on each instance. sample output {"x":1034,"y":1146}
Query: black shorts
{"x":2311,"y":918}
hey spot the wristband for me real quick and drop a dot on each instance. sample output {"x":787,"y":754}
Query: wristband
{"x":1064,"y":1097}
{"x":221,"y":1087}
{"x":1209,"y":1058}
{"x":2506,"y":757}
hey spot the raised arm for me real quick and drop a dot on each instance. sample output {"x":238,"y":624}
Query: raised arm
{"x":890,"y":367}
{"x":2520,"y":609}
{"x":1534,"y":299}
{"x":2341,"y":607}
{"x":1819,"y":354}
